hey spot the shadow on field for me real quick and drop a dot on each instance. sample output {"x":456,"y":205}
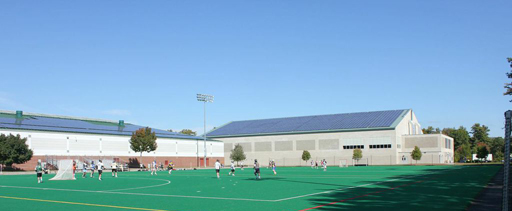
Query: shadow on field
{"x":451,"y":189}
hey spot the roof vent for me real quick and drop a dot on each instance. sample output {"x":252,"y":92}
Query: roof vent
{"x":121,"y":123}
{"x":19,"y":114}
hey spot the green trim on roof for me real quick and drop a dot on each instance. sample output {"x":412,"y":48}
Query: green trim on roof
{"x":305,"y":132}
{"x":399,"y":119}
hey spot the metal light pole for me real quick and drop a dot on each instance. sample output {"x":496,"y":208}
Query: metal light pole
{"x":205,"y":98}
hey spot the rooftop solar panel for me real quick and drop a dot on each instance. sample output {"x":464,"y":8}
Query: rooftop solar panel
{"x":28,"y":122}
{"x":361,"y":120}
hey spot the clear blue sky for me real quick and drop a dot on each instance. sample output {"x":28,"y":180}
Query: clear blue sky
{"x":145,"y":61}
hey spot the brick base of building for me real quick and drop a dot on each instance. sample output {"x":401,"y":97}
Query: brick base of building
{"x":132,"y":161}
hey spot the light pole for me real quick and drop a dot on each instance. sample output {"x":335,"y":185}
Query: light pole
{"x":205,"y":98}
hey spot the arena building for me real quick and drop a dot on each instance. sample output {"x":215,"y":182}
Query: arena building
{"x":60,"y":137}
{"x":385,"y":138}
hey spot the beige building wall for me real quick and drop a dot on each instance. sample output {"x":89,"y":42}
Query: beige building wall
{"x":286,"y":149}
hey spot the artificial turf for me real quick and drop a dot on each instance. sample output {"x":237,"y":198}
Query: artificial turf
{"x":293,"y":188}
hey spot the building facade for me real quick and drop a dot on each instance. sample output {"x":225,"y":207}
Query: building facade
{"x":385,"y":138}
{"x":57,"y":137}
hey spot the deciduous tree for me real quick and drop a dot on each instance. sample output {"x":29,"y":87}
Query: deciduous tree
{"x":14,"y":150}
{"x":143,"y":140}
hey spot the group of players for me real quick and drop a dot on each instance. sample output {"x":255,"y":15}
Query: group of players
{"x":92,"y":167}
{"x":256,"y":168}
{"x":314,"y":164}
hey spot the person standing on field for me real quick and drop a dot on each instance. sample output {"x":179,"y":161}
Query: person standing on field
{"x":93,"y":167}
{"x":84,"y":169}
{"x":114,"y":169}
{"x":257,"y":169}
{"x":217,"y":168}
{"x":39,"y":172}
{"x":100,"y":169}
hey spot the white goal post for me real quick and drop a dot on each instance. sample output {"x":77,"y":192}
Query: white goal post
{"x":65,"y":170}
{"x":343,"y":163}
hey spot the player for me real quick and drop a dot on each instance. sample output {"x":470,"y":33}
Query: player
{"x":39,"y":172}
{"x":217,"y":168}
{"x":93,"y":167}
{"x":257,"y":169}
{"x":312,"y":164}
{"x":84,"y":169}
{"x":316,"y":164}
{"x":325,"y":165}
{"x":100,"y":168}
{"x":153,"y":167}
{"x":242,"y":165}
{"x":114,"y":169}
{"x":274,"y":167}
{"x":170,"y":167}
{"x":232,"y":172}
{"x":74,"y":168}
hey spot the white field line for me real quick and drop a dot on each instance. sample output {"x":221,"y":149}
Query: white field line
{"x":138,"y":194}
{"x":151,"y":186}
{"x":330,"y":191}
{"x":215,"y":198}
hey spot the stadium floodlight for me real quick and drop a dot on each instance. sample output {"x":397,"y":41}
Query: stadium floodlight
{"x":205,"y":99}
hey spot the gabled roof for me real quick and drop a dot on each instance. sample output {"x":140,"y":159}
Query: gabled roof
{"x":375,"y":120}
{"x":42,"y":122}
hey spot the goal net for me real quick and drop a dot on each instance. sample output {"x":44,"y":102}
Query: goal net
{"x":65,"y":170}
{"x":343,"y":163}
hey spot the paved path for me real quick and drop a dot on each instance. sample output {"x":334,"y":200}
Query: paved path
{"x":490,"y":198}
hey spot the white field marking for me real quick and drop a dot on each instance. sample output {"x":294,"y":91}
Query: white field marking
{"x":139,"y":194}
{"x":330,"y":191}
{"x":151,"y":186}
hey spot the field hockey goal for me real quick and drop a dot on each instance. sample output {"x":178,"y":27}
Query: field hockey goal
{"x":343,"y":163}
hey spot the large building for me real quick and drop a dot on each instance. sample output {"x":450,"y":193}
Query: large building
{"x":385,"y":138}
{"x":59,"y":137}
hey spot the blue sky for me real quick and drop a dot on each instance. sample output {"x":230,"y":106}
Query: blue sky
{"x":145,"y":61}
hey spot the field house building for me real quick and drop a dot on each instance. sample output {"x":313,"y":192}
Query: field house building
{"x":59,"y":137}
{"x":385,"y":138}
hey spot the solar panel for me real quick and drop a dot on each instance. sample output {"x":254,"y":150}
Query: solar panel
{"x":79,"y":126}
{"x":375,"y":119}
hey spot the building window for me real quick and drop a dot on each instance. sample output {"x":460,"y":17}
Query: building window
{"x":353,"y":146}
{"x":380,"y":146}
{"x":447,"y":143}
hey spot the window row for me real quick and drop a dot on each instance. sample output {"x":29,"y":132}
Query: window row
{"x":353,"y":147}
{"x":380,"y":146}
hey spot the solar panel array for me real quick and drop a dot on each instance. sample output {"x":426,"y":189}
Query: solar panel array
{"x":375,"y":119}
{"x":27,"y":122}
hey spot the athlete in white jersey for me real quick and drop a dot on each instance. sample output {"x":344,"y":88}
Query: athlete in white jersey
{"x":232,"y":172}
{"x":153,"y":167}
{"x":100,"y":168}
{"x":217,"y":168}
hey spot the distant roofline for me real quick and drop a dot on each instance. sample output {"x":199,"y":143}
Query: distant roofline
{"x":393,"y":126}
{"x":316,"y":115}
{"x":60,"y":116}
{"x":304,"y":132}
{"x":177,"y":134}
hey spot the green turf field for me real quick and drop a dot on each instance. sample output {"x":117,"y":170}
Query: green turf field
{"x":294,"y":188}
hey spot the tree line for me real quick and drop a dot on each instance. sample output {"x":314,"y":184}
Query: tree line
{"x":475,"y":141}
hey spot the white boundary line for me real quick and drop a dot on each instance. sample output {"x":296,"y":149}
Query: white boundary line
{"x":217,"y":198}
{"x":138,"y":194}
{"x":151,"y":186}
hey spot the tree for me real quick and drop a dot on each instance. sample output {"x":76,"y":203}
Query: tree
{"x":508,"y":86}
{"x":430,"y":130}
{"x":357,"y":155}
{"x":237,"y":154}
{"x":480,"y":134}
{"x":460,"y":136}
{"x":416,"y":154}
{"x":14,"y":150}
{"x":143,"y":140}
{"x":482,"y":150}
{"x":497,"y":146}
{"x":306,"y":156}
{"x":188,"y":132}
{"x":463,"y":152}
{"x":170,"y":130}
